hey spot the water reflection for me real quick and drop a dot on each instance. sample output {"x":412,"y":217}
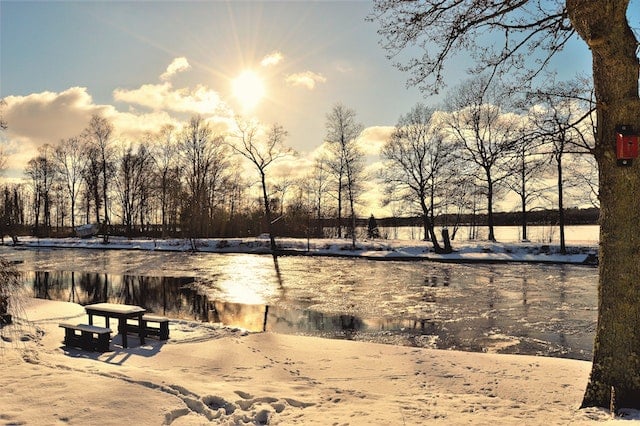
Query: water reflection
{"x":515,"y":308}
{"x":162,"y":295}
{"x":179,"y":298}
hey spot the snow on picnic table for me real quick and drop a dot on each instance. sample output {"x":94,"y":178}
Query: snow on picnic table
{"x":467,"y":251}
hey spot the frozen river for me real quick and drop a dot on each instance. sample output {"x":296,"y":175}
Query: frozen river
{"x":508,"y":308}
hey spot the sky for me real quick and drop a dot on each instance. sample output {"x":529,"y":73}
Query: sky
{"x":142,"y":64}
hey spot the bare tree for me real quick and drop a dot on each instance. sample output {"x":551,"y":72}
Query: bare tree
{"x":486,"y":134}
{"x":91,"y":176}
{"x":34,"y":171}
{"x":282,"y":186}
{"x":203,"y":156}
{"x":234,"y":198}
{"x":12,"y":211}
{"x":98,"y":135}
{"x":416,"y":155}
{"x":463,"y":192}
{"x":42,"y":170}
{"x":318,"y":184}
{"x":555,"y":125}
{"x":586,"y":173}
{"x":71,"y":162}
{"x":527,"y":181}
{"x":132,"y":183}
{"x":561,"y":121}
{"x":443,"y":29}
{"x":346,"y":160}
{"x":164,"y":154}
{"x":262,"y":151}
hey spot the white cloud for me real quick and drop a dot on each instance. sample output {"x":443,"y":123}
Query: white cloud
{"x":177,"y":65}
{"x":272,"y":59}
{"x":40,"y":118}
{"x":133,"y":125}
{"x":49,"y":117}
{"x":372,"y":139}
{"x":343,"y":67}
{"x":199,"y":100}
{"x":307,"y":79}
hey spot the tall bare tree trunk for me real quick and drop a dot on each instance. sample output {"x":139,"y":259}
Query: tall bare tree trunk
{"x":490,"y":220}
{"x":267,"y":213}
{"x":340,"y":206}
{"x":561,"y":219}
{"x":616,"y":360}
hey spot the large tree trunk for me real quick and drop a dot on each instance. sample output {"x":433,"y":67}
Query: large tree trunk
{"x":429,"y":231}
{"x":616,"y":360}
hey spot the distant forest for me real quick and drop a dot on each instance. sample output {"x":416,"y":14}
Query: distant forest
{"x":573,"y":216}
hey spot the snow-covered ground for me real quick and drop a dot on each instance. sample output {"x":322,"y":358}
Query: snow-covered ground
{"x":213,"y":375}
{"x":466,"y":251}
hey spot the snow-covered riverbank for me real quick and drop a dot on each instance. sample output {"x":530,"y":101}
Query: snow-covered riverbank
{"x":467,"y":251}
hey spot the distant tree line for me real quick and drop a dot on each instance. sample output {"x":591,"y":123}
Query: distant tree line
{"x":446,"y":168}
{"x":573,"y":216}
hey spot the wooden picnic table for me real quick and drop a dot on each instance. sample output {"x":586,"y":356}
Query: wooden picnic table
{"x":122,"y":313}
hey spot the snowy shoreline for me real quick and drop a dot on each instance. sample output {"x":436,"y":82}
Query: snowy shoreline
{"x":217,"y":375}
{"x":390,"y":250}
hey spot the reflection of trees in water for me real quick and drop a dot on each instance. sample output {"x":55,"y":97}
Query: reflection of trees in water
{"x":49,"y":285}
{"x":312,"y":321}
{"x":94,"y":288}
{"x":162,"y":295}
{"x":199,"y":306}
{"x":438,"y":276}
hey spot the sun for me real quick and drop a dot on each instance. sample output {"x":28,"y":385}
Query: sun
{"x":248,"y":88}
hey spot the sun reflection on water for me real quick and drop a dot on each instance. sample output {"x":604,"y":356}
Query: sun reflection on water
{"x":248,"y":279}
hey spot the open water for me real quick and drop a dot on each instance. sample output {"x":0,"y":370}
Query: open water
{"x":509,"y":308}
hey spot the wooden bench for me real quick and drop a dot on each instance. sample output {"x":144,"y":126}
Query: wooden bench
{"x":159,"y":326}
{"x":85,"y":336}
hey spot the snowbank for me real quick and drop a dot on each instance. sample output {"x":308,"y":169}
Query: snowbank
{"x":226,"y":376}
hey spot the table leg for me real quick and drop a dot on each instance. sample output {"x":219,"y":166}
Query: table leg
{"x":122,"y":329}
{"x":142,"y":328}
{"x":90,"y":319}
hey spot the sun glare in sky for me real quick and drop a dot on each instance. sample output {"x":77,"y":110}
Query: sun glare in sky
{"x":248,"y":88}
